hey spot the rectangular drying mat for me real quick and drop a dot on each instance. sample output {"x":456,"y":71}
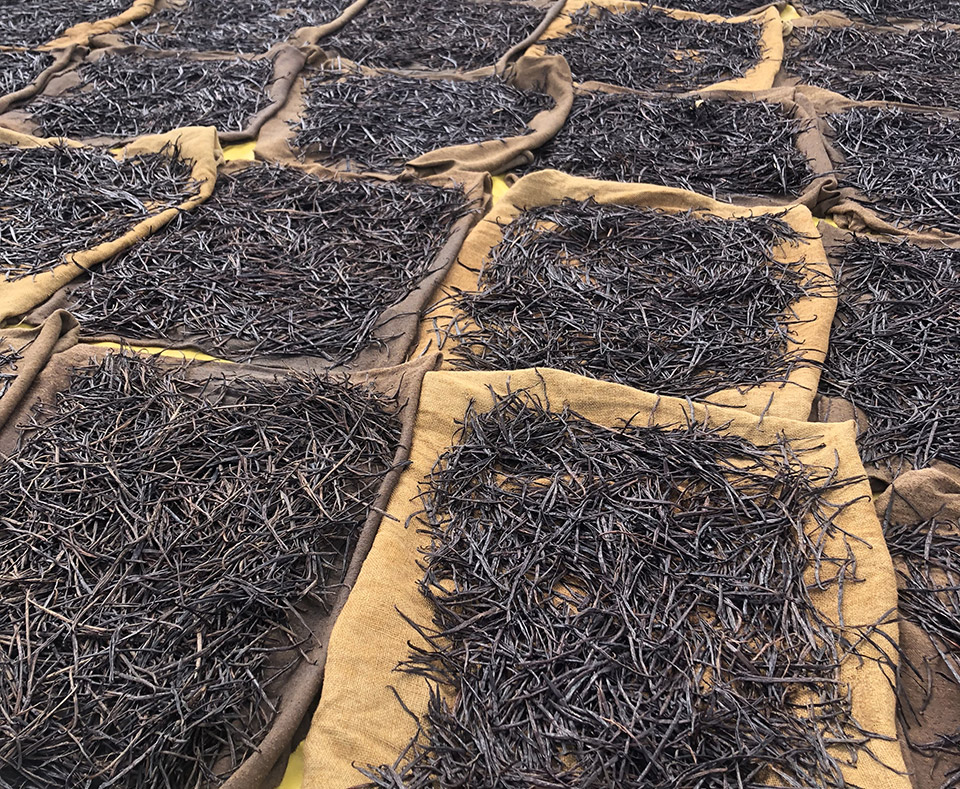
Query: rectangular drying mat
{"x":756,"y":147}
{"x":873,"y":63}
{"x":59,"y":24}
{"x":251,"y":27}
{"x":120,"y":93}
{"x":665,"y":57}
{"x":78,"y":206}
{"x":520,"y":454}
{"x":900,"y":12}
{"x":920,"y":513}
{"x":893,"y":365}
{"x":356,"y":119}
{"x":286,"y":264}
{"x":748,"y":330}
{"x":185,"y":618}
{"x":898,"y":167}
{"x":721,"y":7}
{"x":437,"y":35}
{"x":24,"y":73}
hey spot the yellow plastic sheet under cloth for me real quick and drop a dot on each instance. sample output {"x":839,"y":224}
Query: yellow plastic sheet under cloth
{"x":240,"y":152}
{"x":788,"y":12}
{"x":157,"y":351}
{"x":499,"y":187}
{"x":293,"y":777}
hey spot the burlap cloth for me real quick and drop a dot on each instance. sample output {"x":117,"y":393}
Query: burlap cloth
{"x":198,"y":145}
{"x":359,"y":720}
{"x":287,"y":62}
{"x":852,"y":209}
{"x":813,"y":315}
{"x":61,"y":59}
{"x":927,"y":686}
{"x":759,"y":77}
{"x":397,"y":327}
{"x":549,"y":75}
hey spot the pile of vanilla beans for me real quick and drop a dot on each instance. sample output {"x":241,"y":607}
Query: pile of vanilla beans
{"x":239,"y":26}
{"x":59,"y":199}
{"x":711,"y":147}
{"x":893,"y":350}
{"x":159,"y":534}
{"x":128,"y":94}
{"x":911,"y":66}
{"x":382,"y":122}
{"x":434,"y":34}
{"x":277,"y":261}
{"x":624,"y":607}
{"x":613,"y":292}
{"x":648,"y":50}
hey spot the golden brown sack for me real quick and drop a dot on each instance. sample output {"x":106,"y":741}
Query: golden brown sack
{"x":595,"y":519}
{"x":416,"y":122}
{"x":623,"y":55}
{"x":206,"y":557}
{"x":285,"y":265}
{"x":117,"y":94}
{"x":920,"y":512}
{"x":50,"y":254}
{"x":643,"y":312}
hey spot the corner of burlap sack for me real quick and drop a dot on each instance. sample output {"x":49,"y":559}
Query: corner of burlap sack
{"x":920,"y":512}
